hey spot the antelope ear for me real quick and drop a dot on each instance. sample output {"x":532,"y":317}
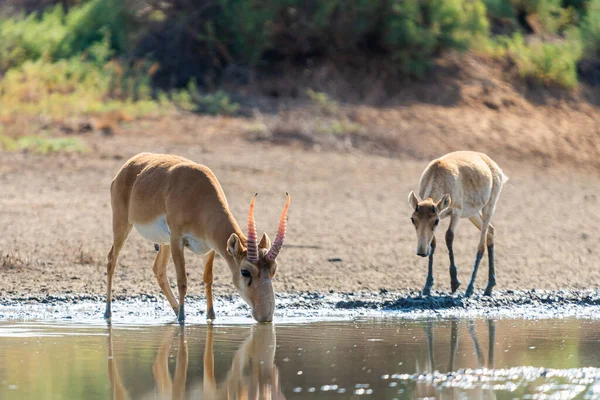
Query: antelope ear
{"x":265,"y":242}
{"x":413,"y":200}
{"x":444,"y":203}
{"x":234,"y":246}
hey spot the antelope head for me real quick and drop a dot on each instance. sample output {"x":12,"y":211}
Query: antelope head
{"x":256,"y":264}
{"x":425,"y":218}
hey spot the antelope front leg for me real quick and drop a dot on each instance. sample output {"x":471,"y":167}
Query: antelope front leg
{"x":179,"y":260}
{"x":208,"y":280}
{"x":120,"y":232}
{"x":471,"y":287}
{"x":429,"y":282}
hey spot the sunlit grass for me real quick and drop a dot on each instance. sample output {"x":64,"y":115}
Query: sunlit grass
{"x":74,"y":87}
{"x":42,"y":144}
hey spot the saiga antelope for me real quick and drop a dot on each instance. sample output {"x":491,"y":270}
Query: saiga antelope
{"x":176,"y":203}
{"x":463,"y":184}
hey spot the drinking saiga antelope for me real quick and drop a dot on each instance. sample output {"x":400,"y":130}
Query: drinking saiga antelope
{"x":462,"y":184}
{"x":177,"y":203}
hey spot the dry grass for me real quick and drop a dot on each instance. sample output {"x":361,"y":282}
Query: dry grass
{"x":12,"y":260}
{"x":84,"y":257}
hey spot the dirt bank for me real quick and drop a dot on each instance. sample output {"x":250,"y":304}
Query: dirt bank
{"x":348,"y":224}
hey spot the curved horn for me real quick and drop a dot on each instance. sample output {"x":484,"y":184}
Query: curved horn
{"x":252,"y":254}
{"x":278,"y":242}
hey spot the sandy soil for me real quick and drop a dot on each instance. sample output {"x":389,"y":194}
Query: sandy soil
{"x":56,"y":228}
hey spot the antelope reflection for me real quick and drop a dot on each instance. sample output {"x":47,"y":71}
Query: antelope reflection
{"x":166,"y":387}
{"x":253,"y":374}
{"x":426,"y":390}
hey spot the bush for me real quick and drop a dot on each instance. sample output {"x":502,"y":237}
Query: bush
{"x":55,"y":35}
{"x":544,"y":63}
{"x":415,"y":34}
{"x":590,"y":29}
{"x":547,"y":16}
{"x":322,"y":102}
{"x":94,"y":43}
{"x":74,"y":87}
{"x":217,"y":103}
{"x":272,"y":33}
{"x":500,"y":9}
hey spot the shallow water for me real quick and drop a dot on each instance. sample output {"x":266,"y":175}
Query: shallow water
{"x":382,"y":358}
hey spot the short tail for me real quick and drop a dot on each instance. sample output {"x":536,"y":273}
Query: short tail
{"x":504,"y":178}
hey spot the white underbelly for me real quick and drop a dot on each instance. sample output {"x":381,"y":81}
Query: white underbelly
{"x":156,"y":231}
{"x":467,"y":212}
{"x":195,"y":245}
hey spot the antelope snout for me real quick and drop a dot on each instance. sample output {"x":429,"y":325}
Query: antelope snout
{"x":423,"y":250}
{"x":264,"y":313}
{"x":264,"y":308}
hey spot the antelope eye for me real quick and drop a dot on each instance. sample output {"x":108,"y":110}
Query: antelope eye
{"x":246,"y":273}
{"x":412,"y":220}
{"x":437,"y":221}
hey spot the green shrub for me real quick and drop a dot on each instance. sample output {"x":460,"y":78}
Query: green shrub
{"x":191,"y":99}
{"x":250,"y":25}
{"x":55,"y":34}
{"x":500,"y":9}
{"x":544,"y":63}
{"x":552,"y":15}
{"x":549,"y":13}
{"x":323,"y":102}
{"x":590,"y":29}
{"x":415,"y":33}
{"x":217,"y":103}
{"x":72,"y":87}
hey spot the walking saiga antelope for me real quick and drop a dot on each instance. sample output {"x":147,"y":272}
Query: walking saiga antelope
{"x":463,"y":184}
{"x":176,"y":203}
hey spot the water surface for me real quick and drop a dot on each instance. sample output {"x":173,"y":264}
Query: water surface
{"x":382,"y":358}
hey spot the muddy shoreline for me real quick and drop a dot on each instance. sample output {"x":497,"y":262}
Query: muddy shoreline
{"x":306,"y":305}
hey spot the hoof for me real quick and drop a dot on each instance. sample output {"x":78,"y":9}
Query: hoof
{"x":210,"y":314}
{"x":469,"y":291}
{"x":181,"y":317}
{"x":454,"y":286}
{"x":426,"y":292}
{"x":488,"y":290}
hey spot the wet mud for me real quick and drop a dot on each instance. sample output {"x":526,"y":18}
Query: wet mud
{"x":307,"y":305}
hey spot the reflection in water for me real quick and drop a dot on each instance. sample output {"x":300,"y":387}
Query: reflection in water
{"x":171,"y":388}
{"x":424,"y":389}
{"x":454,"y":334}
{"x":253,"y":373}
{"x":382,"y":358}
{"x":116,"y":385}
